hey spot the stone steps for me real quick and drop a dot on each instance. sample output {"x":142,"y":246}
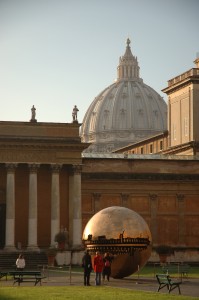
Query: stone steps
{"x":33,"y":259}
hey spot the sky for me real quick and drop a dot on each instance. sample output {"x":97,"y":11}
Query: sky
{"x":55,"y":54}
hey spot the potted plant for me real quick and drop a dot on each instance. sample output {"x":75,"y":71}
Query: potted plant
{"x":163,"y":251}
{"x":51,"y":253}
{"x":61,"y":238}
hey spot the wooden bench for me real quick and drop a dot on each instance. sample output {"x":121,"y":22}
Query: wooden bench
{"x":182,"y":269}
{"x":166,"y":281}
{"x":27,"y":276}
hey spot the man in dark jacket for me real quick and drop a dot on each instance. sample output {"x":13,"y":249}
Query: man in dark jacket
{"x":87,"y":265}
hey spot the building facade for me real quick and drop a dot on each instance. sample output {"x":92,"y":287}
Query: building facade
{"x":40,"y":182}
{"x":163,"y":190}
{"x":48,"y":182}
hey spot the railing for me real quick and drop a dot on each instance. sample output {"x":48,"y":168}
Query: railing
{"x":185,"y":75}
{"x":116,"y":246}
{"x":139,"y":156}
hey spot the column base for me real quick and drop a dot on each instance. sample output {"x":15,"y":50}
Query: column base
{"x":33,"y":248}
{"x":10,"y":249}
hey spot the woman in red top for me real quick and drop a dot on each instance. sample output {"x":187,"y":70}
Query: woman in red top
{"x":98,"y":267}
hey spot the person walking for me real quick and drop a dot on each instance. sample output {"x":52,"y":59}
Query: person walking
{"x":98,"y":267}
{"x":107,"y":266}
{"x":87,"y":265}
{"x":20,"y":263}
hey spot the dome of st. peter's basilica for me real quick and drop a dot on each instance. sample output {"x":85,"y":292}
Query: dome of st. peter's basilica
{"x":125,"y":112}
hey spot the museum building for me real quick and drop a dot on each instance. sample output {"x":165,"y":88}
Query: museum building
{"x":55,"y":176}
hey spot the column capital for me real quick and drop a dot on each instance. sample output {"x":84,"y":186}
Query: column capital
{"x":77,"y":169}
{"x":56,"y":168}
{"x":11,"y":167}
{"x":33,"y":167}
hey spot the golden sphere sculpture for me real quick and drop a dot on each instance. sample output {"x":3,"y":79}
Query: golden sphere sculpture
{"x":124,"y":234}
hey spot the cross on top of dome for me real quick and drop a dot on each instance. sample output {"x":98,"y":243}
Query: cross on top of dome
{"x":128,"y":42}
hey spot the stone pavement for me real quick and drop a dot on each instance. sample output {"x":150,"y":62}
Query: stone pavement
{"x":189,"y":286}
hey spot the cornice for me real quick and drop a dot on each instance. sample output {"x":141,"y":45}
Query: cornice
{"x":67,"y":145}
{"x":140,"y":177}
{"x":183,"y":83}
{"x":78,"y":147}
{"x":182,"y":147}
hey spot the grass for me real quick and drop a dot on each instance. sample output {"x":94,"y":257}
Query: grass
{"x":149,"y":271}
{"x":83,"y":293}
{"x":95,"y":293}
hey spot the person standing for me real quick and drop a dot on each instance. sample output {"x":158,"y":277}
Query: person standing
{"x":20,"y":263}
{"x":107,"y":266}
{"x":98,"y":267}
{"x":87,"y":265}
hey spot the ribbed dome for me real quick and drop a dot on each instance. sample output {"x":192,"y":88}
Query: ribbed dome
{"x":125,"y":112}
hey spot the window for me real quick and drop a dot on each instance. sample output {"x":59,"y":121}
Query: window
{"x":151,"y":148}
{"x":142,"y":150}
{"x":161,"y":145}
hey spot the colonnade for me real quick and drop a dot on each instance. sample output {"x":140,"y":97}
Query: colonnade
{"x":75,"y":218}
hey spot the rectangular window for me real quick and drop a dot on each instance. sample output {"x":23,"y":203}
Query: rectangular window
{"x":161,"y":145}
{"x":151,"y":148}
{"x":142,"y":150}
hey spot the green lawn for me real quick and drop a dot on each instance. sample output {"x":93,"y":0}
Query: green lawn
{"x":77,"y":292}
{"x":93,"y":292}
{"x":149,"y":271}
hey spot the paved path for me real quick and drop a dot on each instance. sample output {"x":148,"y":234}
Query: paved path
{"x":189,"y":287}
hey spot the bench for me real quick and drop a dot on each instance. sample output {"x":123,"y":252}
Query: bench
{"x":27,"y":276}
{"x":3,"y":274}
{"x":166,"y":281}
{"x":182,"y":269}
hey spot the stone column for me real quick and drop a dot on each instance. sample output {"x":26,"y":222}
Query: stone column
{"x":32,"y":216}
{"x":55,"y":202}
{"x":70,"y":227}
{"x":10,"y":208}
{"x":181,"y":223}
{"x":153,"y":202}
{"x":77,"y":207}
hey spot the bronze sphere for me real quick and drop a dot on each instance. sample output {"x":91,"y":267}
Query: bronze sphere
{"x":123,"y":233}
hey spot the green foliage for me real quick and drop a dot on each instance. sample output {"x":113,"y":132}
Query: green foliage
{"x":61,"y":237}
